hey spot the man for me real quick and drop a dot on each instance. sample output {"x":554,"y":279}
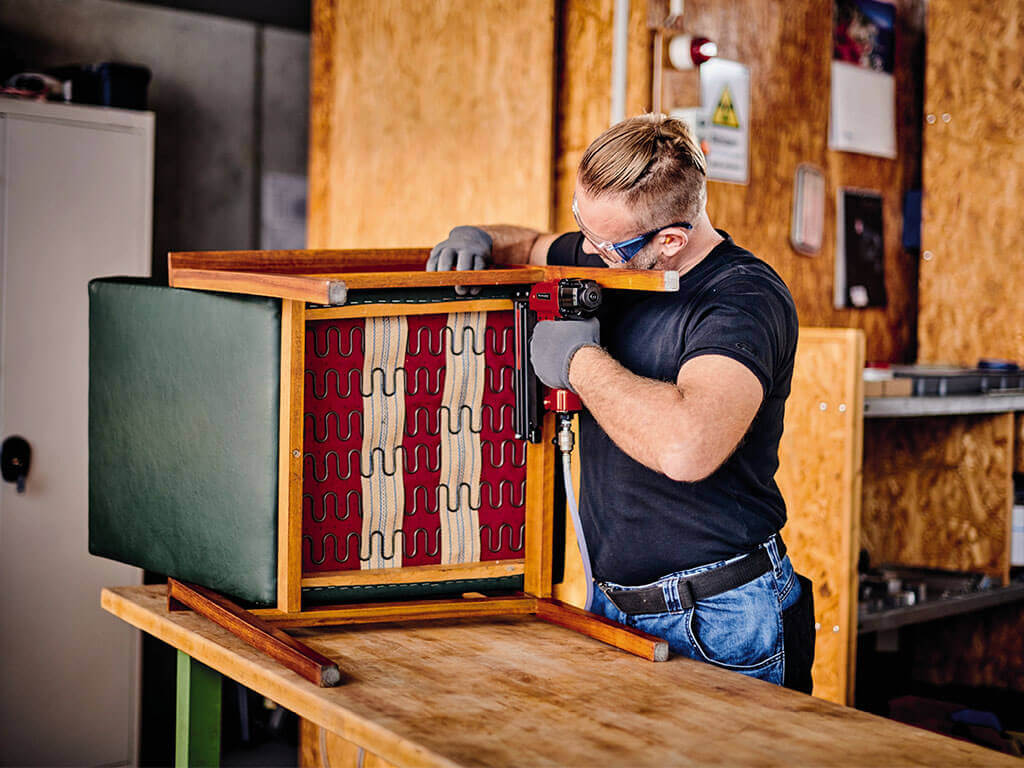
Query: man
{"x":684,"y":395}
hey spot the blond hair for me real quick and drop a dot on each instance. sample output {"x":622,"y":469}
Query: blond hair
{"x":655,"y":163}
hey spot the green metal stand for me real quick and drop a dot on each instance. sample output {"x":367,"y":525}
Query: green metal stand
{"x":197,"y":741}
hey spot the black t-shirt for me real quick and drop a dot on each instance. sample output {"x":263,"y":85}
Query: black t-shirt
{"x":641,"y":525}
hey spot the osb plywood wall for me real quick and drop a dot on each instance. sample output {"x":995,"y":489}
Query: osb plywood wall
{"x":445,"y":116}
{"x":788,"y":47}
{"x":819,"y":476}
{"x":584,"y":85}
{"x":984,"y":650}
{"x":938,"y":492}
{"x":971,"y":287}
{"x":427,"y":115}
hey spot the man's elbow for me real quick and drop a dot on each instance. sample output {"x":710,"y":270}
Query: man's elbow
{"x":687,"y":465}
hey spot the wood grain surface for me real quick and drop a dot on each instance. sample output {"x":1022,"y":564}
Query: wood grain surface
{"x":467,"y":606}
{"x":970,"y":303}
{"x":938,"y":492}
{"x":312,"y":275}
{"x":584,"y":86}
{"x":428,"y":115}
{"x":274,"y":642}
{"x":416,"y":574}
{"x":540,"y":459}
{"x":634,"y":641}
{"x":1018,"y":443}
{"x":289,"y":452}
{"x":820,"y":479}
{"x":984,"y":650}
{"x":319,"y":748}
{"x":522,"y":692}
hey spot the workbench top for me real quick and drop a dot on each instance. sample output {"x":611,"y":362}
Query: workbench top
{"x":518,"y":691}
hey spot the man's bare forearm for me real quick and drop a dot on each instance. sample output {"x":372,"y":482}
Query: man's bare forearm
{"x":642,"y":416}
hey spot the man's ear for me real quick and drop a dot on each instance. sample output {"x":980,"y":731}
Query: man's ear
{"x":672,"y":240}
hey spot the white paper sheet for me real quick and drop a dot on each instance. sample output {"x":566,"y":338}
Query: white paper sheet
{"x":863,"y":114}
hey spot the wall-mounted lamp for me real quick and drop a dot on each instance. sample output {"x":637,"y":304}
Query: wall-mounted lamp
{"x":687,"y":51}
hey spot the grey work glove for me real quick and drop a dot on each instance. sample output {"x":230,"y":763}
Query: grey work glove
{"x":554,"y":343}
{"x":466,"y":248}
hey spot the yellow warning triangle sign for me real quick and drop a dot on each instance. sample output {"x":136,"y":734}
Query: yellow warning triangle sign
{"x":725,"y":113}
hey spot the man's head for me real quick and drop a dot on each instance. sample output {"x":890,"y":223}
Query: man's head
{"x":643,"y":176}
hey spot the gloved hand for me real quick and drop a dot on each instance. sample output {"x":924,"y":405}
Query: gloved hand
{"x":554,"y":343}
{"x":466,"y":248}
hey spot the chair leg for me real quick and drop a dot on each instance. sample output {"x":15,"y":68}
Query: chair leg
{"x":625,"y":638}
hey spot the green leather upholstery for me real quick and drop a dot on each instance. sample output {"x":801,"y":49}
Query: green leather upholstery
{"x":183,"y":433}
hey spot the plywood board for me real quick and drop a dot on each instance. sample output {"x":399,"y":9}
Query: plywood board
{"x":973,"y":171}
{"x":429,"y":115}
{"x":819,"y":476}
{"x":938,"y":492}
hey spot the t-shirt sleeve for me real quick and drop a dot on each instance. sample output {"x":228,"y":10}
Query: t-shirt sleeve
{"x":567,"y":251}
{"x":749,"y":320}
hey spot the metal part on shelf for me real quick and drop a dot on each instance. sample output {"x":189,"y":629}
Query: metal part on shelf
{"x":892,"y":597}
{"x":906,"y":407}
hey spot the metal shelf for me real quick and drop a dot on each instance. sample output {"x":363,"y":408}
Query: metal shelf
{"x":939,"y":609}
{"x":955,"y":405}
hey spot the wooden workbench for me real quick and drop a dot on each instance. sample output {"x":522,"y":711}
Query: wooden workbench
{"x":517,"y":691}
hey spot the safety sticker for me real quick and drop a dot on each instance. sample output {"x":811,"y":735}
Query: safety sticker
{"x":725,"y":113}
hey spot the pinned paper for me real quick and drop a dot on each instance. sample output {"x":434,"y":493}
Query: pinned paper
{"x":725,"y":95}
{"x":863,"y":110}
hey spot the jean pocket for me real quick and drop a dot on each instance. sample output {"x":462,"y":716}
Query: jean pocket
{"x":740,"y":629}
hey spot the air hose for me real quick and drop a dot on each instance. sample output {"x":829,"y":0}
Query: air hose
{"x":566,"y":442}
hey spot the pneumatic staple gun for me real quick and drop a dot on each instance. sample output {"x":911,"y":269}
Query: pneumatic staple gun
{"x":565,"y":299}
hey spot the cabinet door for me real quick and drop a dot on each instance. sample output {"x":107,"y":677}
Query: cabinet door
{"x":76,"y":204}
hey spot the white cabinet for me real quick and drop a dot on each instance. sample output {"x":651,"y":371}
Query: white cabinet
{"x":76,"y":191}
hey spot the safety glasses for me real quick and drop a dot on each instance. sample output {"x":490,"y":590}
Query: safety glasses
{"x":626,"y":249}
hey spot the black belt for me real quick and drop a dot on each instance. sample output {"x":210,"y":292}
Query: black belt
{"x":698,"y":587}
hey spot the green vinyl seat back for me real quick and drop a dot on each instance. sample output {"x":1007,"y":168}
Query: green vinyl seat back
{"x":183,"y":433}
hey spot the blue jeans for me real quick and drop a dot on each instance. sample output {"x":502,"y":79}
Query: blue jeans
{"x":740,"y":630}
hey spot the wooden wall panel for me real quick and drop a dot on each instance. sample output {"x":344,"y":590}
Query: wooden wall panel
{"x":320,"y":748}
{"x":938,"y":492}
{"x":1018,"y":444}
{"x":584,"y":85}
{"x":788,"y":49}
{"x":981,"y":650}
{"x":970,"y":305}
{"x":820,"y":476}
{"x":427,"y":115}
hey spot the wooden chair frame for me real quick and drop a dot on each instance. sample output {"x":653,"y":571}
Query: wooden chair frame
{"x":314,"y":285}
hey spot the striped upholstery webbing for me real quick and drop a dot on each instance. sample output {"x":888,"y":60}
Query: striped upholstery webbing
{"x":410,"y":455}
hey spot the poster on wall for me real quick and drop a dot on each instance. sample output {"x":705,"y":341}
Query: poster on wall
{"x":725,"y":123}
{"x":863,"y":109}
{"x":860,"y":250}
